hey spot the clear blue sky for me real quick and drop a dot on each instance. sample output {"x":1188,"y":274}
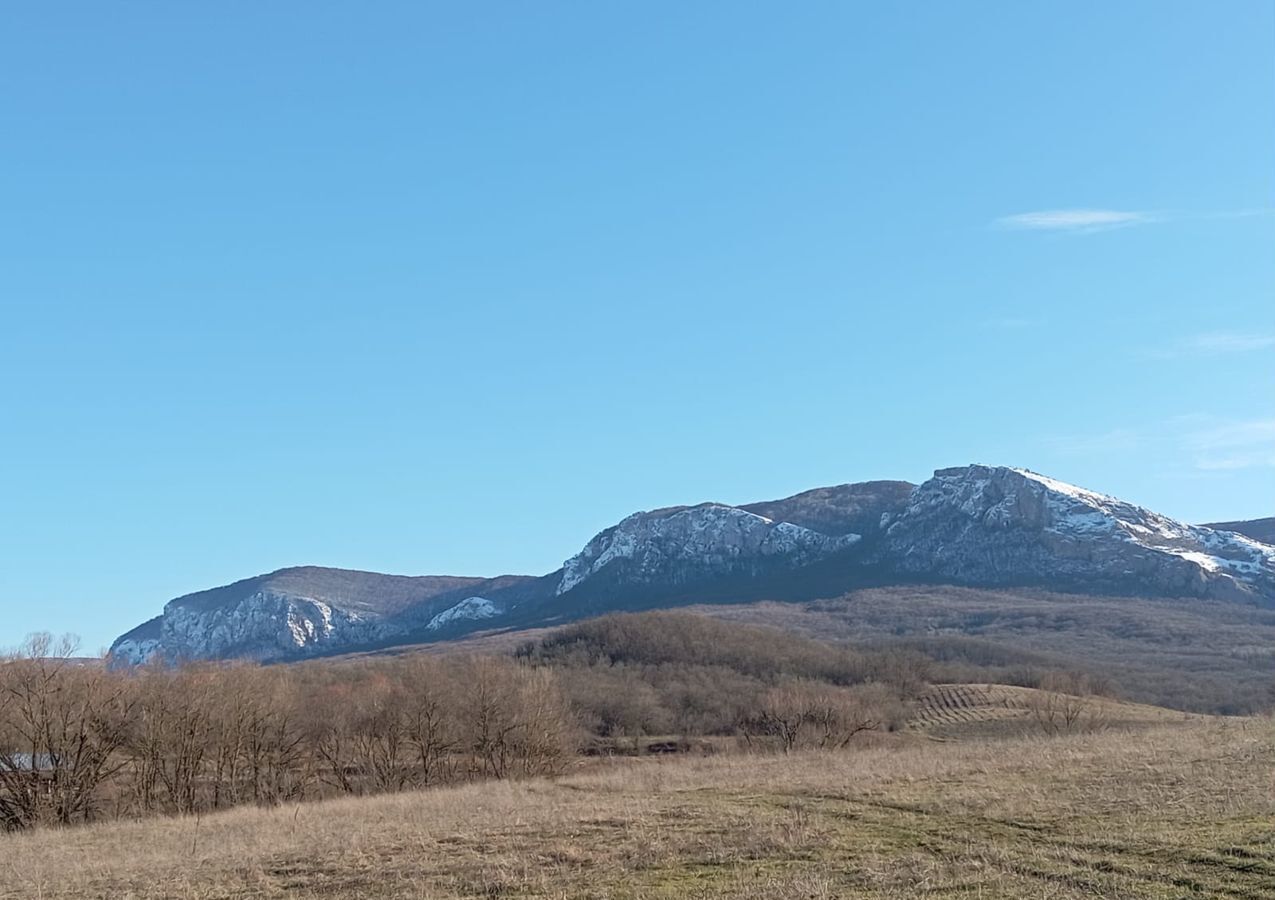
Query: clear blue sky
{"x":447,"y":288}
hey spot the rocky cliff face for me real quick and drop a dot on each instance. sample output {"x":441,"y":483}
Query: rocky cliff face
{"x":975,"y":525}
{"x":305,"y":611}
{"x":986,"y":525}
{"x":262,"y":625}
{"x":677,"y":547}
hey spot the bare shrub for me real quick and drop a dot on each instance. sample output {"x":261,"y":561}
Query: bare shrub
{"x":1068,"y":703}
{"x":799,"y":713}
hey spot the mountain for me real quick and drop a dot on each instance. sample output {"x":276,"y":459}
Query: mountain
{"x":1258,"y":529}
{"x":846,"y":508}
{"x":979,"y":526}
{"x":310,"y":609}
{"x":986,"y":526}
{"x":685,"y":546}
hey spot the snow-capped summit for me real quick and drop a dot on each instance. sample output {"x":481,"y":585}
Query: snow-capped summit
{"x":999,"y":525}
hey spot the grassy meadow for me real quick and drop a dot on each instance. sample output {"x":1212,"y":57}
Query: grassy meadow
{"x":1146,"y":804}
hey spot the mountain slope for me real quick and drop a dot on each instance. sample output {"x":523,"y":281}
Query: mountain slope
{"x":844,"y":509}
{"x":973,"y":525}
{"x":1258,"y":529}
{"x":687,"y":545}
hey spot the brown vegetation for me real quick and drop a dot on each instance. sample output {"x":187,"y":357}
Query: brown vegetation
{"x":632,"y":675}
{"x":1180,"y":810}
{"x":1198,"y":656}
{"x":980,"y":711}
{"x":62,"y":726}
{"x":79,"y":743}
{"x":1066,"y":792}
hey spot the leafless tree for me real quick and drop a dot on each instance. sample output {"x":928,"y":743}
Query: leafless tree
{"x":61,"y":727}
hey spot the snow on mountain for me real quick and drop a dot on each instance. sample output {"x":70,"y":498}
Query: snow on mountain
{"x":1000,"y":525}
{"x":299,"y":612}
{"x":139,"y":646}
{"x":983,"y":526}
{"x":469,"y":609}
{"x":686,"y":544}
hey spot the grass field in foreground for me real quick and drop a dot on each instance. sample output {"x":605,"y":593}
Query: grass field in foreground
{"x":1175,"y":810}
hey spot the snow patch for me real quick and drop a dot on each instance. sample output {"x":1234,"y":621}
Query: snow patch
{"x":135,"y":653}
{"x":471,"y":608}
{"x":1011,"y":518}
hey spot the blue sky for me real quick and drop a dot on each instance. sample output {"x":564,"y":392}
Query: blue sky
{"x":447,"y":288}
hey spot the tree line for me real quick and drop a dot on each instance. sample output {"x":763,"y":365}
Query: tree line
{"x":80,"y":741}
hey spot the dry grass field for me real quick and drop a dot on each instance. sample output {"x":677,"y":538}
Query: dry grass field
{"x":1183,"y":807}
{"x":963,"y":711}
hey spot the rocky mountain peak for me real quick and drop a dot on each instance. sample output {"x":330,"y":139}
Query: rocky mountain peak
{"x":685,"y":544}
{"x":1002,"y":525}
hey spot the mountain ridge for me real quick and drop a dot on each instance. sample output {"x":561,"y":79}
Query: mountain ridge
{"x":972,"y":525}
{"x":1258,"y":529}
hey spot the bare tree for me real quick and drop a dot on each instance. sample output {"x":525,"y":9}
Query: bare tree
{"x":516,"y":720}
{"x":174,"y":737}
{"x":429,"y":717}
{"x":61,"y":727}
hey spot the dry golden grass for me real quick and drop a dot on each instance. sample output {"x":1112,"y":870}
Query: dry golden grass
{"x":964,"y":711}
{"x":1172,"y":810}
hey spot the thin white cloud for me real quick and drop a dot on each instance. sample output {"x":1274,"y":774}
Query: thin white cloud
{"x":1221,"y":342}
{"x":1228,"y":445}
{"x":1215,"y":343}
{"x":1012,"y":323}
{"x":1238,"y":213}
{"x":1084,"y":221}
{"x":1117,"y":440}
{"x":1202,"y":443}
{"x":1075,"y":220}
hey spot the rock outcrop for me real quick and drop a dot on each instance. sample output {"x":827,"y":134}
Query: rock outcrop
{"x":305,"y":611}
{"x":682,"y":546}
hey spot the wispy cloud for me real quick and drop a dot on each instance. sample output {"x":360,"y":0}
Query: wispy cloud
{"x":1075,"y":220}
{"x":1012,"y":323}
{"x":1216,"y":343}
{"x":1219,"y":342}
{"x":1202,"y":443}
{"x":1085,"y":221}
{"x":1231,"y":444}
{"x":1117,"y":440}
